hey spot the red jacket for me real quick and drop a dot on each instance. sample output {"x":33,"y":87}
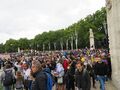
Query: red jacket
{"x":65,"y":64}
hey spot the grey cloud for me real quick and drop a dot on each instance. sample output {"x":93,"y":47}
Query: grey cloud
{"x":26,"y":18}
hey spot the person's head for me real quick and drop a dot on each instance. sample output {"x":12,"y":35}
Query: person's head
{"x":18,"y":73}
{"x":7,"y":66}
{"x":25,"y":66}
{"x":19,"y":76}
{"x":80,"y":65}
{"x":99,"y":59}
{"x":43,"y":65}
{"x":60,"y":61}
{"x":36,"y":66}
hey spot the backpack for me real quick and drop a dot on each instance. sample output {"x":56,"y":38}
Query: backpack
{"x":49,"y":81}
{"x":9,"y":79}
{"x":15,"y":68}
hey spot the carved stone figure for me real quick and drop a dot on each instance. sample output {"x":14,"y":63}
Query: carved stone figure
{"x":109,"y":4}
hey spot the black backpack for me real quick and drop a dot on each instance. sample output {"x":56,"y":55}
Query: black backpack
{"x":9,"y":78}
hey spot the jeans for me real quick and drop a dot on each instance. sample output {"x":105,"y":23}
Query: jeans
{"x":7,"y":88}
{"x":28,"y":85}
{"x":102,"y":80}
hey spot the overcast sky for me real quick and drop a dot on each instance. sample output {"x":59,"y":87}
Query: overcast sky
{"x":27,"y":18}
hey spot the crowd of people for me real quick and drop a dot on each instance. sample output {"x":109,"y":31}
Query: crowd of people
{"x":56,"y":70}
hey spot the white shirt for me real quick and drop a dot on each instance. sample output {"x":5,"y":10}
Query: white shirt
{"x":26,"y":73}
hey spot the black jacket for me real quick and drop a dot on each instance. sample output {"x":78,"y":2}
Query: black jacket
{"x":82,"y":80}
{"x":101,"y":69}
{"x":69,"y":78}
{"x":40,"y":82}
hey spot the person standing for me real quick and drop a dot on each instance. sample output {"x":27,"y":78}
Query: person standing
{"x":26,"y":74}
{"x":101,"y":70}
{"x":90,"y":69}
{"x":60,"y":75}
{"x":8,"y":77}
{"x":19,"y":85}
{"x":82,"y":78}
{"x":40,"y":79}
{"x":69,"y":76}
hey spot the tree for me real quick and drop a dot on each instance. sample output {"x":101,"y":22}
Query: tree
{"x":2,"y":48}
{"x":11,"y":45}
{"x":24,"y":43}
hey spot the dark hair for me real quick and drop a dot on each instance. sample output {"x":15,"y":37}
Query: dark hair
{"x":43,"y":65}
{"x":7,"y":66}
{"x":81,"y":63}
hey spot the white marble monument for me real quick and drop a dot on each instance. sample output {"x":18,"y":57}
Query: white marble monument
{"x":92,"y":44}
{"x":113,"y":20}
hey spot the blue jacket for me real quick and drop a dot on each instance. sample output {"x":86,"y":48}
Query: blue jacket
{"x":40,"y":82}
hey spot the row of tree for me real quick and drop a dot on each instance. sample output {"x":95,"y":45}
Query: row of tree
{"x":72,"y":37}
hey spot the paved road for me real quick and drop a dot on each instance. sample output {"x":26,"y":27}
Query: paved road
{"x":108,"y":86}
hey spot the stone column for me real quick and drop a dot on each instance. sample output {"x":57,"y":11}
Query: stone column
{"x":113,"y":20}
{"x":18,"y":50}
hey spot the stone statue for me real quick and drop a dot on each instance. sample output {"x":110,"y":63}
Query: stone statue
{"x":92,"y":44}
{"x":109,"y":4}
